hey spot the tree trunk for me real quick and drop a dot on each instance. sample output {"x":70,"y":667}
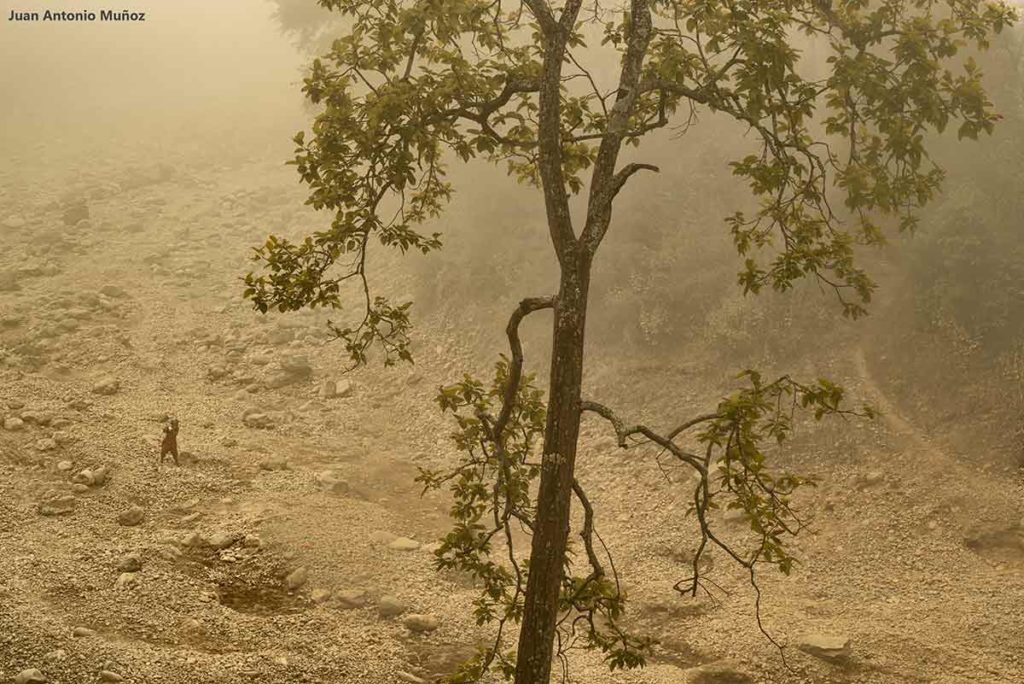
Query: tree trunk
{"x":551,"y":528}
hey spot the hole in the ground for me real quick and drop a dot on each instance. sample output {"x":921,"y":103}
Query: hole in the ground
{"x":259,"y":599}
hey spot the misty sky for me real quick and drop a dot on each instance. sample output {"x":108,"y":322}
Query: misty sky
{"x":190,"y":59}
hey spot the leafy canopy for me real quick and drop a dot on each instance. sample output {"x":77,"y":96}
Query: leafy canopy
{"x":413,"y":84}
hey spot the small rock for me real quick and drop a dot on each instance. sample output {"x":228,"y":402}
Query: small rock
{"x":83,"y":632}
{"x":274,"y":463}
{"x":343,"y":389}
{"x":329,"y":389}
{"x":404,"y":544}
{"x":296,"y":578}
{"x":110,"y":676}
{"x":721,"y":672}
{"x":65,"y":466}
{"x":319,"y":595}
{"x":14,"y":424}
{"x":132,"y":517}
{"x":99,"y":476}
{"x":390,"y":606}
{"x":83,"y":477}
{"x":127,"y":580}
{"x":46,"y":444}
{"x":351,"y":598}
{"x":58,"y":505}
{"x":106,"y":386}
{"x":828,"y":647}
{"x":221,"y":540}
{"x":870,"y":479}
{"x":30,"y":676}
{"x":114,"y":292}
{"x":79,"y":488}
{"x":257,"y":420}
{"x":410,"y":678}
{"x":421,"y":623}
{"x":130,"y":562}
{"x":329,"y":481}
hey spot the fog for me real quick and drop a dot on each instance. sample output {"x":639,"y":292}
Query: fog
{"x":192,"y":491}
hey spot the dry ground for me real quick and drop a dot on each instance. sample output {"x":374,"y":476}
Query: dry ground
{"x":916,"y":555}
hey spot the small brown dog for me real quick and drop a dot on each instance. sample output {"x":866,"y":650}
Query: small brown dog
{"x":169,"y":445}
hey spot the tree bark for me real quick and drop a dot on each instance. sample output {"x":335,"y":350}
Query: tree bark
{"x":551,"y":527}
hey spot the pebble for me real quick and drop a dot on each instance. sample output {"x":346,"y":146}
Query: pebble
{"x":57,"y":505}
{"x":110,"y":676}
{"x":296,"y":578}
{"x":106,"y":386}
{"x":421,"y":623}
{"x":30,"y":676}
{"x":83,"y":632}
{"x":130,"y":562}
{"x":390,"y":606}
{"x":829,"y":647}
{"x":351,"y":598}
{"x":132,"y":517}
{"x":404,"y":544}
{"x":13,"y":424}
{"x":274,"y":463}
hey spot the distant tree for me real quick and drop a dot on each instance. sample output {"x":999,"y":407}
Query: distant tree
{"x":838,"y":157}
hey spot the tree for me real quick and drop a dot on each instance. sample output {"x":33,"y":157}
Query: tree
{"x":838,"y":158}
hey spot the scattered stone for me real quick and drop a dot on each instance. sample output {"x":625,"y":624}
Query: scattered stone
{"x":14,"y":424}
{"x":319,"y":595}
{"x":114,"y":292}
{"x":829,"y":647}
{"x":130,"y":562}
{"x":106,"y":386}
{"x":14,"y":222}
{"x":30,"y":676}
{"x":257,"y":420}
{"x":721,"y":672}
{"x":65,"y":466}
{"x":216,"y":372}
{"x":84,"y":477}
{"x":221,"y":540}
{"x":329,"y":389}
{"x":99,"y":476}
{"x":351,"y":598}
{"x":296,"y":578}
{"x":57,"y":505}
{"x":390,"y":606}
{"x":274,"y":463}
{"x":132,"y":517}
{"x":870,"y":479}
{"x":404,"y":544}
{"x":410,"y":678}
{"x":83,"y":632}
{"x":46,"y":444}
{"x":78,"y":488}
{"x":343,"y":389}
{"x":36,"y":418}
{"x":330,"y":482}
{"x":421,"y":623}
{"x":110,"y":676}
{"x":127,"y":580}
{"x":382,"y":537}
